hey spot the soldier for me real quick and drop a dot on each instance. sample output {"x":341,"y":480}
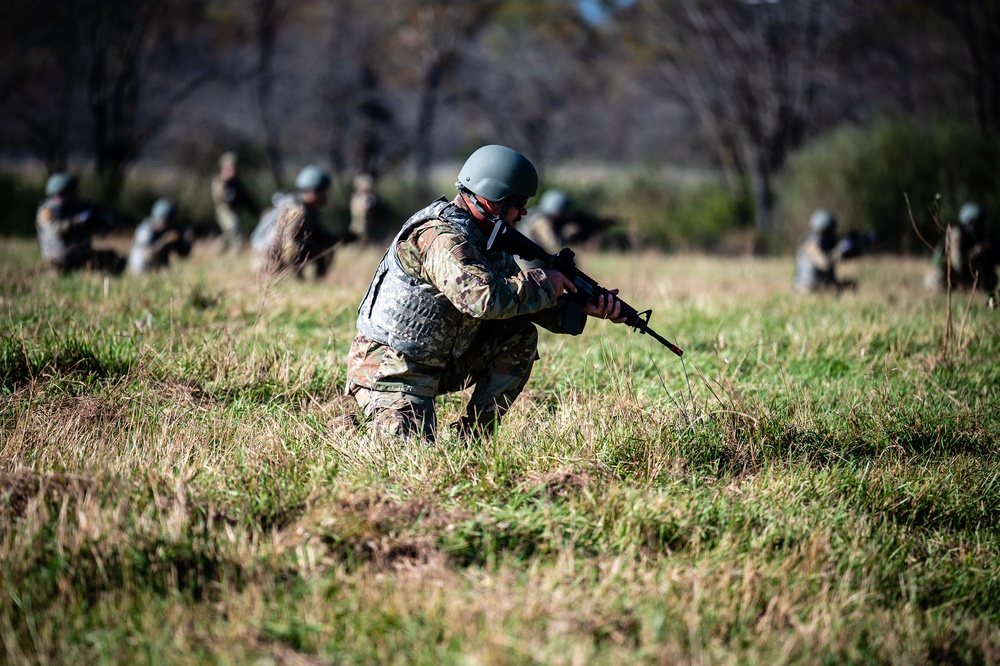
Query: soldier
{"x":819,"y":253}
{"x":544,"y":224}
{"x":231,"y":199}
{"x":363,"y":202}
{"x":157,"y":237}
{"x":967,"y":256}
{"x":66,"y":224}
{"x":290,"y":234}
{"x":442,"y":314}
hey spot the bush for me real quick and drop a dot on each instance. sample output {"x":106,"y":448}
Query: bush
{"x":658,"y":212}
{"x":20,"y":196}
{"x":862,"y":174}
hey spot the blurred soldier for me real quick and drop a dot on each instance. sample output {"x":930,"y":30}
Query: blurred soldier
{"x":967,"y":256}
{"x":231,"y":199}
{"x":291,"y":234}
{"x":66,"y":225}
{"x":544,"y":224}
{"x":554,"y":224}
{"x":442,"y":314}
{"x":820,"y":252}
{"x":157,"y":237}
{"x":363,"y":202}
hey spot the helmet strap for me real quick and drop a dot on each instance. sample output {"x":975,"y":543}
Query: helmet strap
{"x":469,"y":195}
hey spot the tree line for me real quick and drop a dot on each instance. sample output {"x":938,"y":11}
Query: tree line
{"x":376,"y":86}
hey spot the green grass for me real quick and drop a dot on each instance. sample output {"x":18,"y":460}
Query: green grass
{"x":181,"y":482}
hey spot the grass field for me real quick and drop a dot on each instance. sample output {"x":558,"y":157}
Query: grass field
{"x":817,"y":481}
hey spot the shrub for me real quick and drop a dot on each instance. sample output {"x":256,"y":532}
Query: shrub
{"x":862,"y":174}
{"x":676,"y":216}
{"x":21,"y":196}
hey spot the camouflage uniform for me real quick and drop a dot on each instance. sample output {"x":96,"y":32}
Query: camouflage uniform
{"x":363,"y":200}
{"x":971,"y":258}
{"x":818,"y":255}
{"x":231,"y":199}
{"x":154,"y":241}
{"x":478,"y":306}
{"x":65,"y":229}
{"x":291,"y":235}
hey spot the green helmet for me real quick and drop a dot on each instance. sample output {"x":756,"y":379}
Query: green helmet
{"x":312,"y":178}
{"x":822,"y":220}
{"x":554,"y":202}
{"x":970,"y":213}
{"x":163,"y":209}
{"x":59,"y":183}
{"x":496,"y":173}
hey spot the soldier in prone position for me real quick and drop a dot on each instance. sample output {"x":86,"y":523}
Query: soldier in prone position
{"x":66,"y":225}
{"x":157,"y":238}
{"x":443,"y":314}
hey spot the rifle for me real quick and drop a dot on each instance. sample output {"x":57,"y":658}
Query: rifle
{"x":506,"y":238}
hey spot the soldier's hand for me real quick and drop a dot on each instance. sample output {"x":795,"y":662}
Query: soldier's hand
{"x":606,"y":307}
{"x":560,"y":282}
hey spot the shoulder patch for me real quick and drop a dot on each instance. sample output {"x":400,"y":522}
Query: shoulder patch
{"x":463,"y":251}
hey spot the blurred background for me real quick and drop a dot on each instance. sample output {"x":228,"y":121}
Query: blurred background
{"x":705,"y":125}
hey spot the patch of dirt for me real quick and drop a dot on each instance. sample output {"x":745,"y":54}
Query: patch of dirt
{"x":181,"y":391}
{"x":18,"y":489}
{"x":557,"y":483}
{"x":90,"y":409}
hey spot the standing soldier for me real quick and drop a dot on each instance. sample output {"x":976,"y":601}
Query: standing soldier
{"x":66,"y":224}
{"x":363,"y":202}
{"x":157,"y":237}
{"x":819,"y":253}
{"x":443,"y":314}
{"x":231,"y":199}
{"x":967,"y":256}
{"x":291,"y":234}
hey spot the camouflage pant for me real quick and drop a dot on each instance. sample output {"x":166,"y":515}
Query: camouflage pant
{"x":497,"y":365}
{"x":232,"y":230}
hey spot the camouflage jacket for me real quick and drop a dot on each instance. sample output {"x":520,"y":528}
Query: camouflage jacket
{"x":64,"y":230}
{"x":230,"y":196}
{"x":436,"y":283}
{"x":153,"y":243}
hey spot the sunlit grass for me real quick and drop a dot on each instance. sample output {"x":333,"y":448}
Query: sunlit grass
{"x":182,"y":481}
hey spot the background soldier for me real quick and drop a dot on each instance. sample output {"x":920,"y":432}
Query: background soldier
{"x":157,"y":237}
{"x":442,"y":314}
{"x":291,"y":234}
{"x":967,"y":253}
{"x":545,"y":222}
{"x":363,"y":202}
{"x":820,"y":251}
{"x":66,"y":224}
{"x":231,"y":199}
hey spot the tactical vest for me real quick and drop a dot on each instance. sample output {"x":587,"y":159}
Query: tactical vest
{"x":263,"y":234}
{"x":412,"y":316}
{"x":60,"y":244}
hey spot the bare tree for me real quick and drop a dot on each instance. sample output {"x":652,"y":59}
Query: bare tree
{"x":532,"y":70}
{"x":129,"y":102}
{"x":364,"y":127}
{"x":39,"y":68}
{"x":978,"y":25}
{"x":750,"y":69}
{"x":437,"y":33}
{"x":268,"y":17}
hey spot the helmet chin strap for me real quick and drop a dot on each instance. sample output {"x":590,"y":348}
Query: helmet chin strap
{"x":493,"y":219}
